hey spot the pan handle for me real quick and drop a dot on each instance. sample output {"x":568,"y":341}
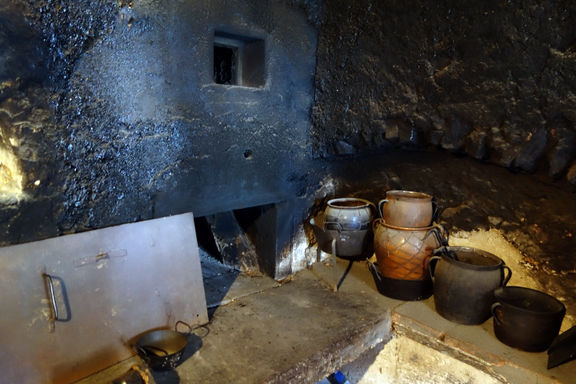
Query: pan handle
{"x":52,"y":298}
{"x":190,"y":328}
{"x":185,"y":324}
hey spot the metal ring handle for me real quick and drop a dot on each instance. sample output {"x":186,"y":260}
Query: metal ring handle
{"x":494,"y":311}
{"x":380,"y":203}
{"x":506,"y":278}
{"x":185,"y":324}
{"x":429,"y":265}
{"x":336,"y":224}
{"x":51,"y":296}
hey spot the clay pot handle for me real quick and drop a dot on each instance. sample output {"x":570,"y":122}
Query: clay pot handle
{"x":432,"y":267}
{"x":506,"y":278}
{"x":496,"y":312}
{"x":380,"y":203}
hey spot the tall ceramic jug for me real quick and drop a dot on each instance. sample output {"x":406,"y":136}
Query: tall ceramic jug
{"x":464,"y":281}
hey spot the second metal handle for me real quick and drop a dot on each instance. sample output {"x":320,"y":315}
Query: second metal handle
{"x":51,"y":296}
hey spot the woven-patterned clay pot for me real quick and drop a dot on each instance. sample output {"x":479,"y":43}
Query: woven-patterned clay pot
{"x":403,"y":253}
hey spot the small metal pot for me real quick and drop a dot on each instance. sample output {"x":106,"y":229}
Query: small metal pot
{"x":163,"y":349}
{"x":526,"y":319}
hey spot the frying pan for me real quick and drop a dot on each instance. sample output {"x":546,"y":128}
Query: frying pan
{"x":162,"y":349}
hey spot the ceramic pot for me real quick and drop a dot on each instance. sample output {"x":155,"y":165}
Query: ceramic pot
{"x":407,"y":209}
{"x":526,"y":319}
{"x":348,"y":214}
{"x":348,"y":221}
{"x":464,"y":281}
{"x":403,"y":253}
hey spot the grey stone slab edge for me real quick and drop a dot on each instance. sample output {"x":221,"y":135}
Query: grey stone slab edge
{"x":343,"y":351}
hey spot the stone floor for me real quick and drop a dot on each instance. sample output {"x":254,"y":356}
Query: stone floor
{"x":301,"y":330}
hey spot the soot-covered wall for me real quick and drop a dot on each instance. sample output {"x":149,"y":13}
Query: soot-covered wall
{"x":495,"y":80}
{"x":121,"y":119}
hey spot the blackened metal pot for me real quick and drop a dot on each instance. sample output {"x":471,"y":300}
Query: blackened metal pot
{"x":162,"y":349}
{"x":408,"y":290}
{"x":464,"y":280}
{"x":526,"y":319}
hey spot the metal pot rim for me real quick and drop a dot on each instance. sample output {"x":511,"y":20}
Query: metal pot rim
{"x":400,"y":193}
{"x":365,"y":204}
{"x":498,"y":265}
{"x":498,"y":292}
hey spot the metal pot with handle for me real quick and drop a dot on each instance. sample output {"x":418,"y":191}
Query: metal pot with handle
{"x":162,"y":349}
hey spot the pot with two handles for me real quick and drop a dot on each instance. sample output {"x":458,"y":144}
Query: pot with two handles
{"x":408,"y":209}
{"x":526,"y":318}
{"x":348,"y":220}
{"x":162,"y":349}
{"x":402,"y":254}
{"x":464,"y":280}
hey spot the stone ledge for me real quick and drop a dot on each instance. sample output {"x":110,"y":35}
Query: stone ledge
{"x":301,"y":331}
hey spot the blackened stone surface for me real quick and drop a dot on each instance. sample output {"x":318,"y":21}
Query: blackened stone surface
{"x":23,"y":57}
{"x":488,"y":79}
{"x":133,"y":126}
{"x":150,"y":134}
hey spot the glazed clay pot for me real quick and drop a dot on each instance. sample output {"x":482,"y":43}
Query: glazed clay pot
{"x":348,"y":214}
{"x":526,"y":319}
{"x":464,"y":281}
{"x":348,"y":220}
{"x":403,"y":253}
{"x":407,"y":209}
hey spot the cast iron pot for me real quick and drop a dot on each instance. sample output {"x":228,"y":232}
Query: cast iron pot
{"x":526,"y":319}
{"x":163,"y":349}
{"x":464,"y":282}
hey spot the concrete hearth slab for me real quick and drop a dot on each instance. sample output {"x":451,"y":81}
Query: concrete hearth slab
{"x":300,"y":331}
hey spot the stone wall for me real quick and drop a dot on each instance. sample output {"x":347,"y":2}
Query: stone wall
{"x":495,"y":80}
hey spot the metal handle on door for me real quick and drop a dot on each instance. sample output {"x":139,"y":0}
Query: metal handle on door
{"x":52,"y":298}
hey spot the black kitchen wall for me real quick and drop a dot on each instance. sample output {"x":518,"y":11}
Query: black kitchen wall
{"x":109,"y":112}
{"x":126,"y":120}
{"x":493,"y":79}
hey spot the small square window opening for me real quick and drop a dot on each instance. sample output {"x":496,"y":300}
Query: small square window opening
{"x":238,"y":60}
